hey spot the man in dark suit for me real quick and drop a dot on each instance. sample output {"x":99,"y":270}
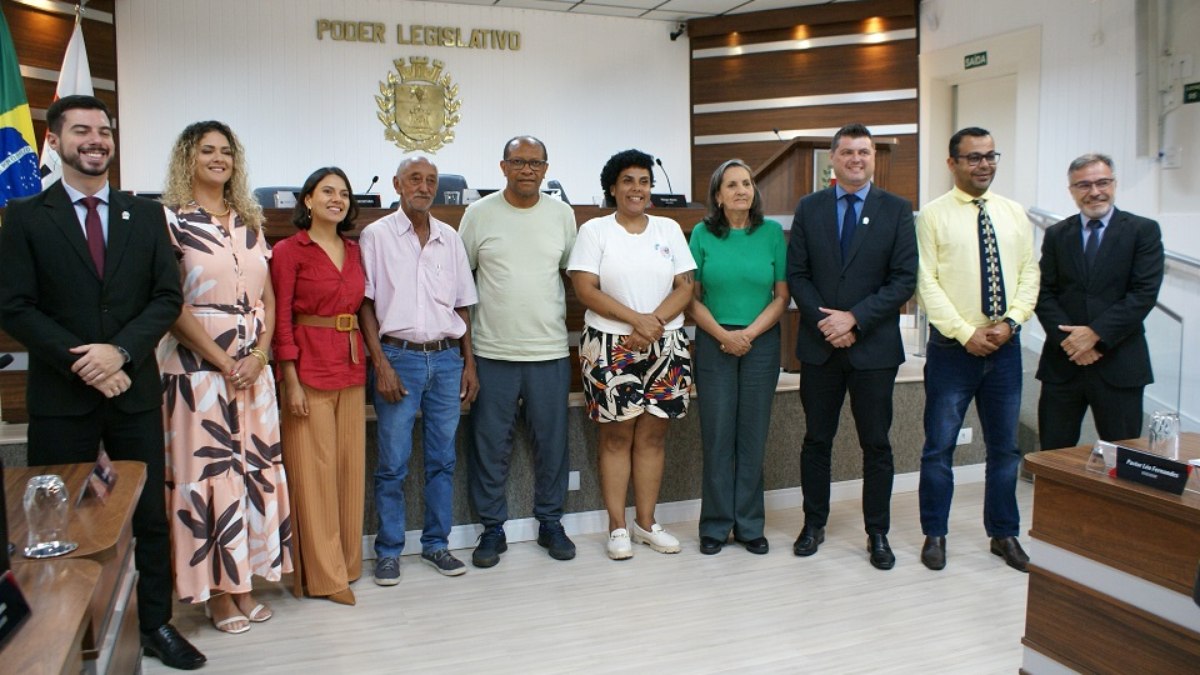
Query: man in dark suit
{"x":89,"y":285}
{"x":1101,"y":271}
{"x":852,"y":264}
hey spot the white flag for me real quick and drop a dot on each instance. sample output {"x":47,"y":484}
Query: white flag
{"x":74,"y":78}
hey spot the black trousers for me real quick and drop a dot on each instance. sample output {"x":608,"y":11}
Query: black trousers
{"x":822,"y":390}
{"x":1061,"y":407}
{"x":126,"y":436}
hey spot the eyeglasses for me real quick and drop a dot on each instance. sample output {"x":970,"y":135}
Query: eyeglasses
{"x":535,"y":164}
{"x":975,"y":158}
{"x":1087,"y":185}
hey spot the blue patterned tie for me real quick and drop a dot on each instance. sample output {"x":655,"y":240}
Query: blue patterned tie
{"x":849,"y":224}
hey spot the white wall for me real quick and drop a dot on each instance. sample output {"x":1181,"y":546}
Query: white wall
{"x":586,"y":85}
{"x":1087,"y":102}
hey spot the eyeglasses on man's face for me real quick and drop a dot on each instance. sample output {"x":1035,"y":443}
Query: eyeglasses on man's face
{"x":520,"y":164}
{"x":1087,"y":185}
{"x":975,"y":158}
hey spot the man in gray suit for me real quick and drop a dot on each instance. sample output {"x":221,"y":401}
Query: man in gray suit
{"x":852,"y":264}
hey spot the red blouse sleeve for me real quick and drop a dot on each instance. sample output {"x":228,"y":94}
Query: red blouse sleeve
{"x":284,"y":264}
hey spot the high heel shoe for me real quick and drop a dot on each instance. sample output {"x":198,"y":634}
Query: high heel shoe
{"x":343,"y":597}
{"x":223,"y":624}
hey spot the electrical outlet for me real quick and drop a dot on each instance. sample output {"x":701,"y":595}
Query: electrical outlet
{"x":573,"y":481}
{"x":965,"y":435}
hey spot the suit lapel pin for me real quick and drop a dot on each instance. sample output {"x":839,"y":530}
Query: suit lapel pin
{"x":124,"y":215}
{"x":866,"y":221}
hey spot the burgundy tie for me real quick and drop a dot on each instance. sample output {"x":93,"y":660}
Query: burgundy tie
{"x":95,"y":233}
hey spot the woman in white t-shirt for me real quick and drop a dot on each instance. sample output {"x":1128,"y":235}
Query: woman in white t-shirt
{"x":633,"y":273}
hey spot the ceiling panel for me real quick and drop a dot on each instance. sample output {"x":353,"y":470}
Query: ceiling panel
{"x":608,"y":10}
{"x":549,"y":5}
{"x":587,"y":5}
{"x":706,"y":7}
{"x":658,"y":10}
{"x":672,"y":15}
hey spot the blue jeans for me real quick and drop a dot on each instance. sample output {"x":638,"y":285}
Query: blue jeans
{"x":433,"y":380}
{"x":953,"y":377}
{"x":543,"y":388}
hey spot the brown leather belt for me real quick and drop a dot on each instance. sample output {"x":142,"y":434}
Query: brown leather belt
{"x":434,"y":346}
{"x":342,"y":323}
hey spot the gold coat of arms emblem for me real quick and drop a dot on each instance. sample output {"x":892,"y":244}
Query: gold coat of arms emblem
{"x":418,"y":105}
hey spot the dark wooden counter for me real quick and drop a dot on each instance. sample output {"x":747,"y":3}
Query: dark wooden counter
{"x":1117,"y":525}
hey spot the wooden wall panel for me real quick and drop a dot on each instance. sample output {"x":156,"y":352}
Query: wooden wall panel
{"x":813,"y":117}
{"x":811,"y":15}
{"x":41,"y":38}
{"x":805,"y":32}
{"x":816,"y":71}
{"x":902,"y":178}
{"x":829,"y":70}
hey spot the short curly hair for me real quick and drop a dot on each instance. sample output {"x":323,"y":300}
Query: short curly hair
{"x":618,"y":163}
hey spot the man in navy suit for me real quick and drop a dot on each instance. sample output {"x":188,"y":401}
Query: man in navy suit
{"x":851,"y":266}
{"x":1101,"y":271}
{"x":89,"y":285}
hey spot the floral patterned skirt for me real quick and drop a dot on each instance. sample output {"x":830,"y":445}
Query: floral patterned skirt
{"x":227,"y":494}
{"x":620,"y":384}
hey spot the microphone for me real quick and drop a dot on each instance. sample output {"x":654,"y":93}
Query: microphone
{"x":374,"y":180}
{"x":664,"y":170}
{"x":776,"y":130}
{"x":5,"y":359}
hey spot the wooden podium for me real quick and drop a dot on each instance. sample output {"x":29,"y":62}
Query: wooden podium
{"x":111,"y":641}
{"x":1112,"y":570}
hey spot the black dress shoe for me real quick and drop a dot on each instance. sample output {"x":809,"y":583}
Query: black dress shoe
{"x":933,"y":553}
{"x":809,"y":540}
{"x":710,"y":545}
{"x":881,"y":554}
{"x":1010,"y":549}
{"x":757,"y":546}
{"x":171,"y":648}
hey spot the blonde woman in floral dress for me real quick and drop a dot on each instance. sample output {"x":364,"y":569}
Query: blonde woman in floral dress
{"x":227,"y":497}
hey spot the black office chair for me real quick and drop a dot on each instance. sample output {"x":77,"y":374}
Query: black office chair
{"x":555,"y":185}
{"x":450,"y":189}
{"x":267,"y":197}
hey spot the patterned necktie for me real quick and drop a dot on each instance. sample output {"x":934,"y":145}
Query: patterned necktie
{"x":95,"y":233}
{"x":1093,"y":242}
{"x":992,"y":277}
{"x":849,"y":224}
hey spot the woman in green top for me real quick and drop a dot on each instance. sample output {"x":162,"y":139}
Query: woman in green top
{"x":740,"y":293}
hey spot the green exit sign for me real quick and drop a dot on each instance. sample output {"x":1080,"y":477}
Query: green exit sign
{"x":1191,"y":93}
{"x":975,"y":60}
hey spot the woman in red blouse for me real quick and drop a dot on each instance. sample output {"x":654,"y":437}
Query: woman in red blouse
{"x":319,"y":283}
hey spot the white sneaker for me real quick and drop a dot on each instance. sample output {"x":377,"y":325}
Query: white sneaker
{"x":619,"y":547}
{"x":657,"y":538}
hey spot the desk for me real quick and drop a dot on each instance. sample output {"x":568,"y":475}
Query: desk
{"x":1111,"y":572}
{"x":51,"y":639}
{"x":104,"y":532}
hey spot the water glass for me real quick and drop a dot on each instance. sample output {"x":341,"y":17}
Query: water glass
{"x":48,"y":513}
{"x":1164,"y":434}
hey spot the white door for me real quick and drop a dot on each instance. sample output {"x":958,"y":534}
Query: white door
{"x":992,"y":104}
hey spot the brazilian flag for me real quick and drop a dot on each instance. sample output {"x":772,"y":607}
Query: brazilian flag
{"x":18,"y":160}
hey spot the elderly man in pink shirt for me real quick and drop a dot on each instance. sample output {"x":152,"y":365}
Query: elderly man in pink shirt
{"x":414,"y":320}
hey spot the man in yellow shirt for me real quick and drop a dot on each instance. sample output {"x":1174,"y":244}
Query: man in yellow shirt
{"x":978,"y":282}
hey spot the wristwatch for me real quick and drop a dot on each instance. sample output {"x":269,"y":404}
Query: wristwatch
{"x":1016,"y":327}
{"x":124,"y":354}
